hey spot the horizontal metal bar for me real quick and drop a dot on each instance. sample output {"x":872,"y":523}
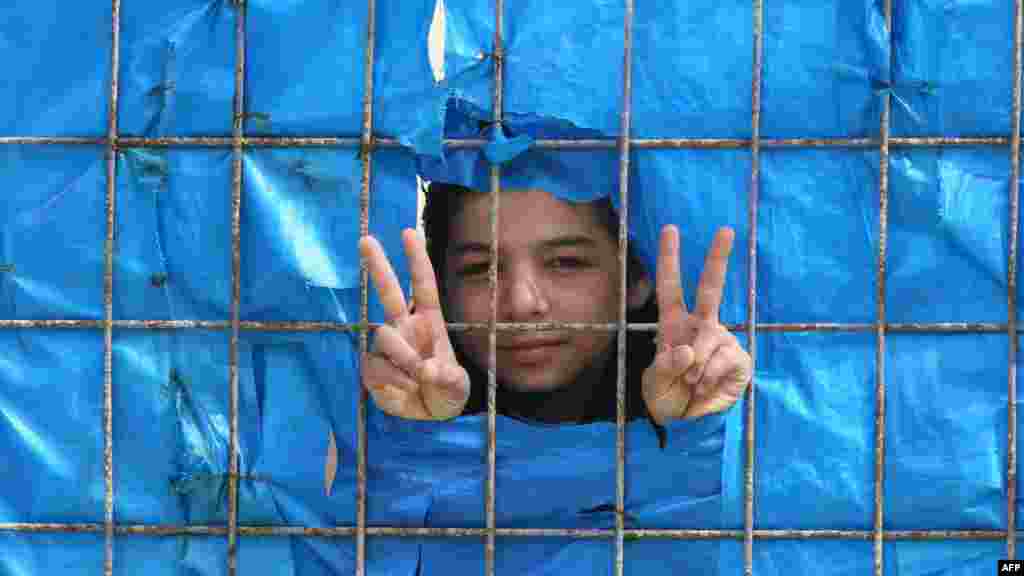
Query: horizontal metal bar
{"x":584,"y":144}
{"x":914,"y":327}
{"x":60,"y":140}
{"x":577,"y":533}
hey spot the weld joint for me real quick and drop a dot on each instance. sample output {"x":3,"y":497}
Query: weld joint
{"x":366,"y":146}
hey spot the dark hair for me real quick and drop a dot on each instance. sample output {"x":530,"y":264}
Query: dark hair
{"x":443,"y":201}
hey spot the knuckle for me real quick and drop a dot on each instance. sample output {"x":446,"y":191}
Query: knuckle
{"x":664,"y":364}
{"x":707,"y":293}
{"x":709,"y":326}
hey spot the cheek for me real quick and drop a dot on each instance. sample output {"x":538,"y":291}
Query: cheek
{"x":470,"y":305}
{"x":590,"y":301}
{"x":589,"y":345}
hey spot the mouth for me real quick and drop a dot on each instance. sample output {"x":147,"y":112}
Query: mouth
{"x":529,"y":343}
{"x":531,"y":351}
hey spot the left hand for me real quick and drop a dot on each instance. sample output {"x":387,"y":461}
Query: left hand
{"x":700,"y":367}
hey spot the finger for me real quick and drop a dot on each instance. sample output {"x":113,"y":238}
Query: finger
{"x":379,"y":372}
{"x":710,"y":405}
{"x":731,"y":382}
{"x":388,"y":288}
{"x":417,"y":330}
{"x":672,"y":363}
{"x":671,"y":306}
{"x":391,"y":346}
{"x":397,"y":402}
{"x":445,"y":388}
{"x":424,"y":282}
{"x":664,"y":393}
{"x":712,"y":278}
{"x":726,"y":370}
{"x":709,"y":339}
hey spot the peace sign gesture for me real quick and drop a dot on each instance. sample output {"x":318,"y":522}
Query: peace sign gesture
{"x":699,"y":367}
{"x":412,"y":371}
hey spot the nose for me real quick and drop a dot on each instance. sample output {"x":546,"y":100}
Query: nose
{"x":523,"y":299}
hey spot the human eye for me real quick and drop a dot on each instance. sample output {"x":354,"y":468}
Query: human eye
{"x":568,"y":263}
{"x":473,"y":270}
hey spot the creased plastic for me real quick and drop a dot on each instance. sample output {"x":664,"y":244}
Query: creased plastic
{"x":55,"y":87}
{"x":827,"y":67}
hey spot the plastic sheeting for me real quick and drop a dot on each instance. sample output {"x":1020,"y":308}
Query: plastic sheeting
{"x":826,"y":65}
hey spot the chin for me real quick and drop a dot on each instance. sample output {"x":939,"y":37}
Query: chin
{"x":533,"y":385}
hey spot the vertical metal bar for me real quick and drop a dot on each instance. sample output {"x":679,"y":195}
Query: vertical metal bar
{"x":1011,"y":291}
{"x":366,"y":144}
{"x":108,"y":296}
{"x":883,"y":233}
{"x":236,"y":278}
{"x":752,"y":200}
{"x":492,"y":383}
{"x":620,"y":393}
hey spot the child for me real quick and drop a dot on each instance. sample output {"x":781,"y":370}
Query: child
{"x":557,"y":263}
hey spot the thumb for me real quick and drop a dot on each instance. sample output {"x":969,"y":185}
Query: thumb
{"x":665,"y":392}
{"x":444,"y":388}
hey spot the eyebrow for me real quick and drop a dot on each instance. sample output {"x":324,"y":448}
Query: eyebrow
{"x":558,"y":242}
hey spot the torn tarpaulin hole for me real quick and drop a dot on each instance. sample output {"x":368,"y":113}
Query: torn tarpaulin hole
{"x":627,"y":518}
{"x":201,"y":453}
{"x":162,"y":92}
{"x":882,"y":86}
{"x":150,"y":167}
{"x":260,"y":120}
{"x":501,"y":149}
{"x":508,"y":138}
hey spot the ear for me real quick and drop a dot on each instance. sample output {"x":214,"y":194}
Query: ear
{"x":639,"y":292}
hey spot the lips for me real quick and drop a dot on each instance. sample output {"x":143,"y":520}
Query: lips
{"x":534,"y":351}
{"x":527,"y":344}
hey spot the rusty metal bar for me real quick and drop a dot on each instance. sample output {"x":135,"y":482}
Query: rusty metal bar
{"x":59,"y":140}
{"x":620,"y":385}
{"x":752,"y":203}
{"x":288,"y":326}
{"x":237,"y":148}
{"x":1011,"y":289}
{"x":883,"y":231}
{"x":202,"y":142}
{"x":366,"y":143}
{"x":492,"y":343}
{"x":108,"y":295}
{"x":574,"y":533}
{"x":585,"y":144}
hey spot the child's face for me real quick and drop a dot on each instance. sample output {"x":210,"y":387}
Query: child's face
{"x":556,"y":263}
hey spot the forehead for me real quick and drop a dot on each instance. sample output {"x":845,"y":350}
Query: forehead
{"x":527,"y":216}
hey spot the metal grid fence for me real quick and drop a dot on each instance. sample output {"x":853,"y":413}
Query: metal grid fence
{"x":367,"y":143}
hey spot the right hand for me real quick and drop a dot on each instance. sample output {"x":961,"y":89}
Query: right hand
{"x":412,"y":371}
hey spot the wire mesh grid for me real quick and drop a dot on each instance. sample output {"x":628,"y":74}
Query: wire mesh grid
{"x":367,"y":142}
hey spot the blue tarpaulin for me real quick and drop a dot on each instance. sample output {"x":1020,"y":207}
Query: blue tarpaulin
{"x":828,"y":65}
